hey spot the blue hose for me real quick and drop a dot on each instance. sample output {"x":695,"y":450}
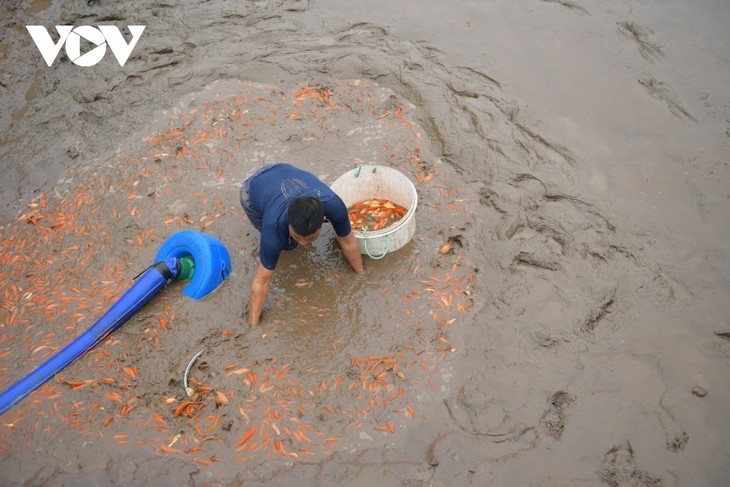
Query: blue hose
{"x":147,"y":285}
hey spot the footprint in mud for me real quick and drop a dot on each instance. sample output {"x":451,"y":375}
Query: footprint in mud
{"x":649,"y":50}
{"x":530,"y":208}
{"x":602,"y":308}
{"x":677,"y":442}
{"x":570,"y":5}
{"x":663,"y":92}
{"x":482,"y":414}
{"x":620,"y":469}
{"x":553,"y":420}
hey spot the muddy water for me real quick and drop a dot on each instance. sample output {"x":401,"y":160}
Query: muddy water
{"x":574,"y":154}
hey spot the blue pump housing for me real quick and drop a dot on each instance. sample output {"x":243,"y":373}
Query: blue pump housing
{"x":212,"y":262}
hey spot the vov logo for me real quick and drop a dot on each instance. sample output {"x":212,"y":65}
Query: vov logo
{"x":70,"y":36}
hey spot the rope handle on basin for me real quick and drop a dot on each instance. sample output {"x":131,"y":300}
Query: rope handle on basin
{"x":359,"y":168}
{"x":387,"y":247}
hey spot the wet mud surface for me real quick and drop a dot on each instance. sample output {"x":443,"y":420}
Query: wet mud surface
{"x":532,"y":333}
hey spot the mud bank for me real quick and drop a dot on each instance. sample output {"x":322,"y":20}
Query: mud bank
{"x":555,"y":341}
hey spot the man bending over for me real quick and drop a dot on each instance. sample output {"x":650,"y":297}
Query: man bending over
{"x":287,"y":206}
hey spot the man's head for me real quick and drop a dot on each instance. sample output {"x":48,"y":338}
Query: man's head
{"x":305,"y":219}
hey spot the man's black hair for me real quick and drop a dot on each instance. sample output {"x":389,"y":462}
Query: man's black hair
{"x":305,"y":215}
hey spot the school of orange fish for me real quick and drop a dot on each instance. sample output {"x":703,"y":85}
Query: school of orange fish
{"x":374,"y":214}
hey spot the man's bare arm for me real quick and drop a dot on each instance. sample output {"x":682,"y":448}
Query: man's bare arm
{"x":351,"y":249}
{"x":259,"y":291}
